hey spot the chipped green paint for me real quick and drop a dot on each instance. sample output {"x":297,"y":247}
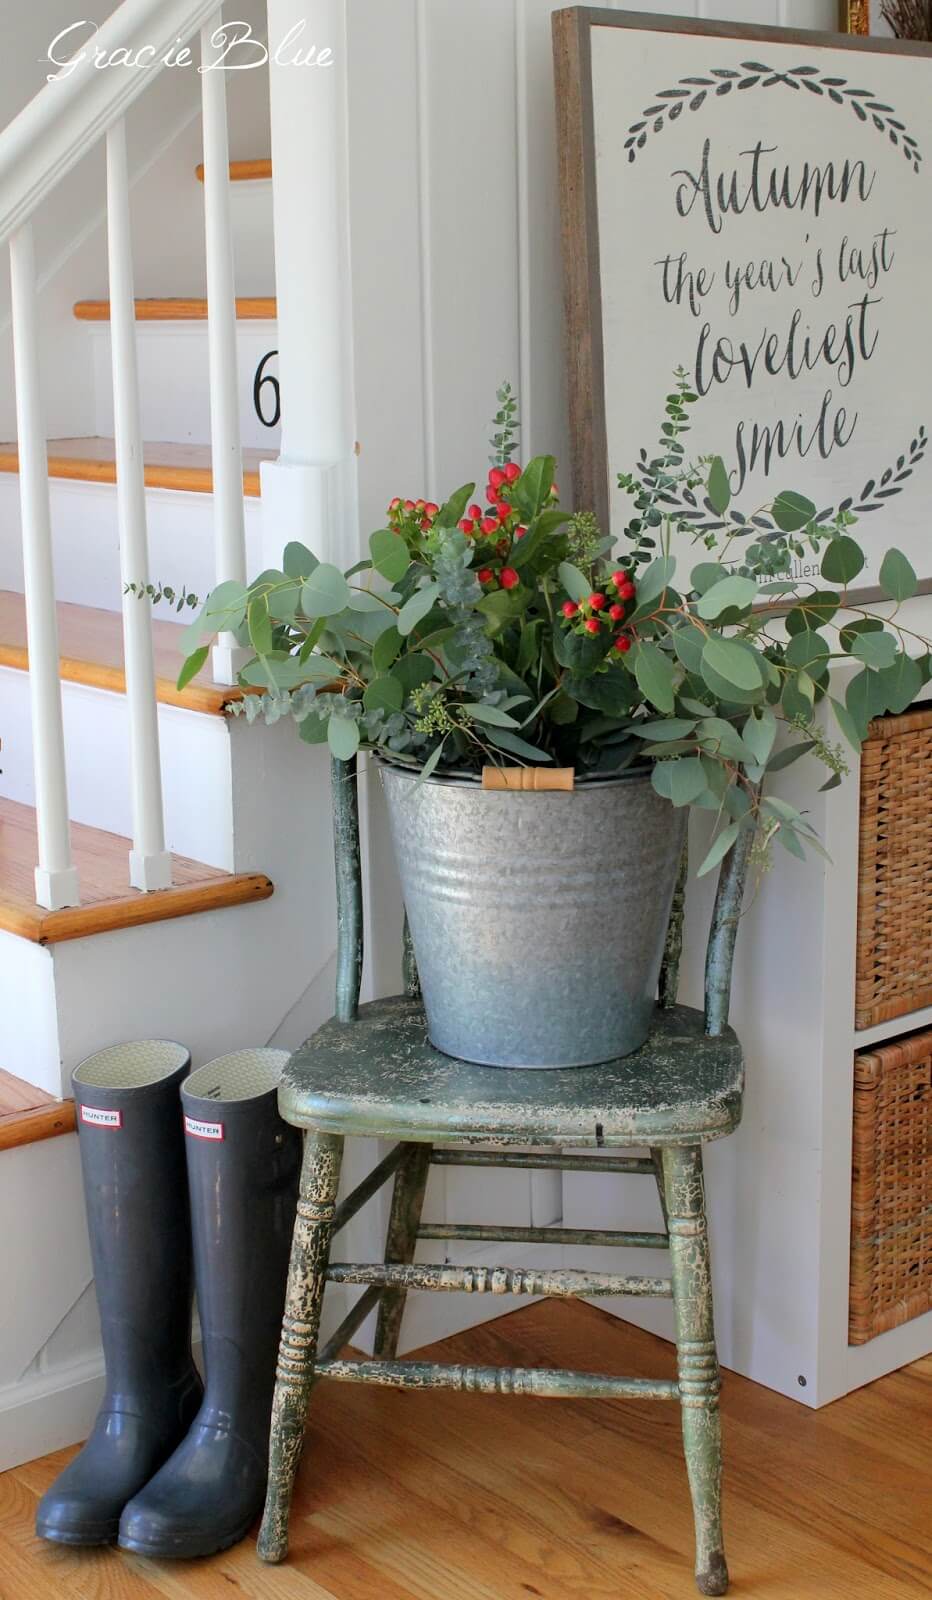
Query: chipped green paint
{"x":370,"y":1185}
{"x":668,"y":987}
{"x":353,"y":1320}
{"x":542,"y":1381}
{"x":559,"y":1162}
{"x":345,"y":794}
{"x":697,"y":1362}
{"x":320,"y":1177}
{"x":726,"y":918}
{"x":400,"y":1243}
{"x":656,"y":1166}
{"x":372,"y":1071}
{"x":412,"y":982}
{"x":487,"y":1234}
{"x":563,"y":1284}
{"x":381,"y":1077}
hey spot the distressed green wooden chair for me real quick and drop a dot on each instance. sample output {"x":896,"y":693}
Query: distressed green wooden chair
{"x":372,"y":1071}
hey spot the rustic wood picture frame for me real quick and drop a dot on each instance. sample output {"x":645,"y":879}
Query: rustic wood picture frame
{"x":854,"y":16}
{"x":572,"y":46}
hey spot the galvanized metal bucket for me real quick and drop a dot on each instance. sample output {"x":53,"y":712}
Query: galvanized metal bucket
{"x":538,"y":919}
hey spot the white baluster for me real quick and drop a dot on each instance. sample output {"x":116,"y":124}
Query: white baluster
{"x":229,"y":516}
{"x":56,"y":878}
{"x":150,"y":864}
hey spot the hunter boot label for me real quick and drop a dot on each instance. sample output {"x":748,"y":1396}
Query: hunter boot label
{"x":203,"y":1130}
{"x":99,"y":1118}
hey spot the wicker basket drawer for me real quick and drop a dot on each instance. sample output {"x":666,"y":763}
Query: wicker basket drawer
{"x":891,"y":1204}
{"x":894,"y":945}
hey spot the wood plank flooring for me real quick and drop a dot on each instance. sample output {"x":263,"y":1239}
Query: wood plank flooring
{"x":464,"y":1497}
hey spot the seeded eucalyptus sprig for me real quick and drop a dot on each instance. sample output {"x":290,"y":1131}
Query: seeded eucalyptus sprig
{"x":504,"y":630}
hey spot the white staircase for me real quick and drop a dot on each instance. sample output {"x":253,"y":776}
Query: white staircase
{"x":378,"y":345}
{"x":113,"y":782}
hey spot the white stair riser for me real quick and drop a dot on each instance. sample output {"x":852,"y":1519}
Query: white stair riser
{"x":174,"y":380}
{"x":263,"y":972}
{"x":85,"y":538}
{"x":29,"y":1038}
{"x":195,"y":753}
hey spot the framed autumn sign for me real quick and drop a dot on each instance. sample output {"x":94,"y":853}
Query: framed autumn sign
{"x":753,"y":205}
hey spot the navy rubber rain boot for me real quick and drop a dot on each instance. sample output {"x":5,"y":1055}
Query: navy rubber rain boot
{"x":133,"y":1161}
{"x":243,"y":1169}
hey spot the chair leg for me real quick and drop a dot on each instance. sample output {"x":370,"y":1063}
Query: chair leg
{"x":656,"y":1156}
{"x":310,"y":1251}
{"x":697,"y":1359}
{"x":401,"y":1242}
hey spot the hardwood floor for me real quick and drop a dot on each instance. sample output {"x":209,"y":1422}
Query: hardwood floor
{"x":464,"y":1497}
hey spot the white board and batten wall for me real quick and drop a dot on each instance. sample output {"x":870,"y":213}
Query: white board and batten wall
{"x":457,"y":285}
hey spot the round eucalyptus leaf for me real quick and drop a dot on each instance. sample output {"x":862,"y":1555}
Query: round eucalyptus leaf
{"x":343,"y":736}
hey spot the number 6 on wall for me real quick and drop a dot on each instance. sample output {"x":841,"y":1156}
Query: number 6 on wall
{"x":259,"y":382}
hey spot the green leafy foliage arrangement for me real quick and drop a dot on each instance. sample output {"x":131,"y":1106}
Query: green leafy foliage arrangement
{"x":510,"y":631}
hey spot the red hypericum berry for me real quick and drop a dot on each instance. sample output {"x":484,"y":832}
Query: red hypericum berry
{"x":425,"y":524}
{"x":504,"y":510}
{"x":419,"y":504}
{"x":489,"y":524}
{"x":430,"y":510}
{"x":509,"y":578}
{"x":409,"y":505}
{"x":496,"y":477}
{"x":393,"y":505}
{"x":597,"y":602}
{"x":555,"y":491}
{"x":623,"y":643}
{"x":593,"y":625}
{"x":476,"y":513}
{"x":616,"y":613}
{"x":466,"y":526}
{"x":485,"y":574}
{"x":627,"y":592}
{"x":619,"y":579}
{"x":569,"y":608}
{"x":520,"y":532}
{"x":512,"y":472}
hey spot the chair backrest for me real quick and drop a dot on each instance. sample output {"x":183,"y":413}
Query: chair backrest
{"x":720,"y":950}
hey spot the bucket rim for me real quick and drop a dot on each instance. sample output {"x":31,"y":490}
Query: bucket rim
{"x":638,"y":772}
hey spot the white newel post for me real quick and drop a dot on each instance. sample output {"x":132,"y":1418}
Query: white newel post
{"x":309,"y":492}
{"x":56,"y":878}
{"x":150,"y":865}
{"x":226,"y":452}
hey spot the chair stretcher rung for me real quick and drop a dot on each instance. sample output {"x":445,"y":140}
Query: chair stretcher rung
{"x":356,"y":1315}
{"x":571,"y":1236}
{"x":549,"y":1383}
{"x":564,"y":1284}
{"x":371,"y":1185}
{"x":542,"y":1163}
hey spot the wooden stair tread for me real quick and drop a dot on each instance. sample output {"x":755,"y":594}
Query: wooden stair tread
{"x":107,"y":901}
{"x":91,"y":652}
{"x":243,"y":171}
{"x":166,"y":466}
{"x":249,"y":308}
{"x":28,"y":1114}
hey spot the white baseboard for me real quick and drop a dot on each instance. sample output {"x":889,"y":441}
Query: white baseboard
{"x":49,"y":1411}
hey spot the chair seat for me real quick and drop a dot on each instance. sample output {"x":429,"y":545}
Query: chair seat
{"x":380,"y":1076}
